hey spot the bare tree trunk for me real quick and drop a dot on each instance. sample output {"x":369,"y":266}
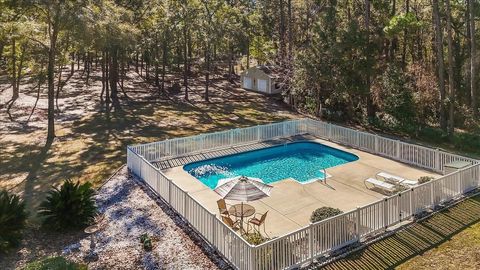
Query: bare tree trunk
{"x":136,"y":62}
{"x":16,"y":75}
{"x":164,"y":60}
{"x":405,"y":34}
{"x":248,"y":53}
{"x":14,"y":71}
{"x":440,"y":64}
{"x":113,"y":76}
{"x":59,"y":87}
{"x":142,"y":60}
{"x":157,"y":68}
{"x":370,"y":105}
{"x":394,"y":43}
{"x":20,"y":68}
{"x":123,"y":72}
{"x":281,"y":30}
{"x":147,"y":64}
{"x":107,"y":78}
{"x":290,"y":31}
{"x":78,"y":60}
{"x":102,"y":64}
{"x":87,"y":67}
{"x":72,"y":63}
{"x":51,"y":84}
{"x":2,"y":45}
{"x":207,"y":73}
{"x":185,"y":60}
{"x":40,"y":82}
{"x":473,"y":53}
{"x":451,"y":75}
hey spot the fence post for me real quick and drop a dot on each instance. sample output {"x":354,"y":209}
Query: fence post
{"x":141,"y":169}
{"x":437,"y":161}
{"x":399,"y":156}
{"x":358,"y":139}
{"x":376,"y":144}
{"x":169,"y":191}
{"x":432,"y":198}
{"x":329,"y":131}
{"x":252,"y":257}
{"x":385,"y":214}
{"x":185,"y":205}
{"x":214,"y":229}
{"x":310,"y":241}
{"x":411,"y":201}
{"x":460,"y":181}
{"x":358,"y":230}
{"x":399,"y":207}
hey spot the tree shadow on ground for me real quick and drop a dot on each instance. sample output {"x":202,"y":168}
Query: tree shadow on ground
{"x":418,"y":238}
{"x":91,"y":141}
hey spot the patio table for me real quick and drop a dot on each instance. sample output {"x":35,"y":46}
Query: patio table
{"x":241,"y":210}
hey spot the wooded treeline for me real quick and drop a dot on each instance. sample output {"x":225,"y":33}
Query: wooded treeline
{"x":397,"y":64}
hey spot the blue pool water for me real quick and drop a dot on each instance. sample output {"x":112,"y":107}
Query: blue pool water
{"x":302,"y":161}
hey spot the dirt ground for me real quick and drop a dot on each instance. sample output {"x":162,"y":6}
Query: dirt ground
{"x":130,"y":209}
{"x":91,"y":141}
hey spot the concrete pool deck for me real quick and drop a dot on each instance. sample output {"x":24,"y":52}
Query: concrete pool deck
{"x":291,"y":203}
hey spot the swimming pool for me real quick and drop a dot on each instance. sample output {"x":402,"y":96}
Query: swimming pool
{"x":302,"y":161}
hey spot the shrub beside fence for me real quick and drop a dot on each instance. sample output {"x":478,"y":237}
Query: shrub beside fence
{"x":316,"y":239}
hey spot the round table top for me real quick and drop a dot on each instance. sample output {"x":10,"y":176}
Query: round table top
{"x":236,"y":210}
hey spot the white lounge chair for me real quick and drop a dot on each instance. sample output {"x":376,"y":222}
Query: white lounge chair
{"x":391,"y":188}
{"x":397,"y":179}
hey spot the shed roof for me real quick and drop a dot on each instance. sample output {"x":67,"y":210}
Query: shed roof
{"x":271,"y":71}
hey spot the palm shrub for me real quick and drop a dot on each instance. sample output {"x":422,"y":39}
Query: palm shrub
{"x":69,"y":207}
{"x":12,"y":220}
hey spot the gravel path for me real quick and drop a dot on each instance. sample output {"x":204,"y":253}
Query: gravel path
{"x":130,"y":210}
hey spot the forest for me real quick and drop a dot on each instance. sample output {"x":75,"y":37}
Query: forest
{"x":409,"y":66}
{"x":80,"y":80}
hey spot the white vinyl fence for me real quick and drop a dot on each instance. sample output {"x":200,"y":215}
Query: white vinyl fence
{"x":316,"y":239}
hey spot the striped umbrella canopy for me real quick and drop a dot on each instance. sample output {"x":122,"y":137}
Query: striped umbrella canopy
{"x":242,"y":188}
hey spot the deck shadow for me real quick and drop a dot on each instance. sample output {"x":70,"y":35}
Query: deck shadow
{"x":418,"y":238}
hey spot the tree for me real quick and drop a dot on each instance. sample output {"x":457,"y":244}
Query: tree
{"x":473,"y":53}
{"x":451,"y":80}
{"x":440,"y":64}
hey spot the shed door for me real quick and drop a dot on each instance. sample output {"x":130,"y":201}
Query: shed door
{"x":262,"y":85}
{"x":247,"y":82}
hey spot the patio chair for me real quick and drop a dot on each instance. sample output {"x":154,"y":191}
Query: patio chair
{"x":222,"y":208}
{"x":235,"y":225}
{"x":390,"y":188}
{"x":397,"y":179}
{"x":258,"y":220}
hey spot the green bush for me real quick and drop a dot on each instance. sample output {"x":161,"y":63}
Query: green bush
{"x":255,"y":238}
{"x":323,"y":213}
{"x":146,"y":241}
{"x":425,"y":179}
{"x":12,"y":220}
{"x":54,"y":263}
{"x":70,"y":206}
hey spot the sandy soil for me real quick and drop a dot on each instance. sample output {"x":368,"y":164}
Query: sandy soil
{"x":91,"y":141}
{"x":90,"y":146}
{"x":130,"y":210}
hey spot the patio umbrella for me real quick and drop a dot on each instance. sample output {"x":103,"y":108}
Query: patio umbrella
{"x":242,"y":188}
